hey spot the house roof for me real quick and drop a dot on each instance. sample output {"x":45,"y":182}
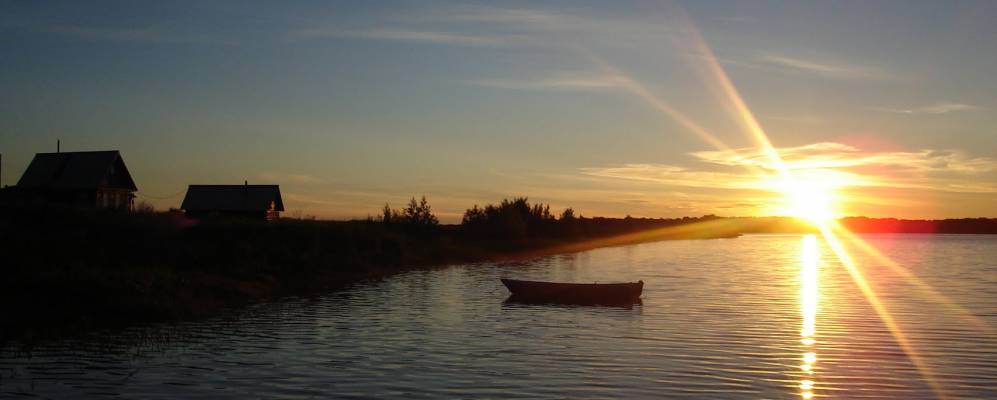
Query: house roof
{"x":77,"y":170}
{"x":232,"y":198}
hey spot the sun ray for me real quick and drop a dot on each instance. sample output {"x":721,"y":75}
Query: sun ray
{"x":716,"y":75}
{"x":881,"y":258}
{"x":814,"y":207}
{"x":819,"y":218}
{"x":639,"y":90}
{"x":880,"y":308}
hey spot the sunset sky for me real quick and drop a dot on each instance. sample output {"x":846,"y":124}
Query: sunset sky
{"x":611,"y":108}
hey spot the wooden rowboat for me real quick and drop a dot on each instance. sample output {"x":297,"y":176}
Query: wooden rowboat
{"x":574,"y":293}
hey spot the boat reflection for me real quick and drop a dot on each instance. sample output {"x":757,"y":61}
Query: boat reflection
{"x":517,"y":300}
{"x":808,"y":309}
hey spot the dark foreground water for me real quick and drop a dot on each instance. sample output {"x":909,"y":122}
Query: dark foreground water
{"x":754,"y":317}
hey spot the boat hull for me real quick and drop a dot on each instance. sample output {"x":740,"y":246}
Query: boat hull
{"x":574,"y":293}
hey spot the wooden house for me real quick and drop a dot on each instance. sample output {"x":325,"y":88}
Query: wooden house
{"x":261,"y":202}
{"x":85,"y":179}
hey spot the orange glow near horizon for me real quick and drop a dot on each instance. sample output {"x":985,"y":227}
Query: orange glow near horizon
{"x":812,"y":194}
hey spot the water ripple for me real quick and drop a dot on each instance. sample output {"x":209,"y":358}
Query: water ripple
{"x":719,"y":319}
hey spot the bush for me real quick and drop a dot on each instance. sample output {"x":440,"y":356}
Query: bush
{"x":417,"y":216}
{"x":510,"y":219}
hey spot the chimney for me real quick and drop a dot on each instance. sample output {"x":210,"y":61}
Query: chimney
{"x":57,"y":146}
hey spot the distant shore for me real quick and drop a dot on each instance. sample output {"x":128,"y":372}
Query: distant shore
{"x":66,"y":270}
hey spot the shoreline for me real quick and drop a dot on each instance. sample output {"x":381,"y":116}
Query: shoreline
{"x":71,"y":272}
{"x":68,"y":271}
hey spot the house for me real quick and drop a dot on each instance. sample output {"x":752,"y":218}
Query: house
{"x":85,"y":179}
{"x":260,"y":202}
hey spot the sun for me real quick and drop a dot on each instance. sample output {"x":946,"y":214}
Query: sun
{"x":812,"y":201}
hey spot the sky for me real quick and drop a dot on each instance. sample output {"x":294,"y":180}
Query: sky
{"x":612,"y":108}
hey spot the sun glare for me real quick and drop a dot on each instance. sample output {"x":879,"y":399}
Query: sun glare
{"x":811,"y":201}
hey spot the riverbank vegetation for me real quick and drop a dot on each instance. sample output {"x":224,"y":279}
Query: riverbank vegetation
{"x":66,"y":268}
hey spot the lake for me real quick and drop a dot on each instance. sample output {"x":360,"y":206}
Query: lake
{"x":760,"y":316}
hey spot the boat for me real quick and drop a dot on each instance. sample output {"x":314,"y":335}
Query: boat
{"x":574,"y":293}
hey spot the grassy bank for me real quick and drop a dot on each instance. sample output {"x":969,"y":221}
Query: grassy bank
{"x":66,"y":269}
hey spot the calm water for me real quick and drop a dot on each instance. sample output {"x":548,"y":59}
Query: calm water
{"x":755,"y":317}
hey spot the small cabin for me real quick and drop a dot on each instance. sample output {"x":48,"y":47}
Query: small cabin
{"x":85,"y":179}
{"x":260,"y":202}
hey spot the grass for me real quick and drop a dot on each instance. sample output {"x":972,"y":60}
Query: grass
{"x":66,"y":270}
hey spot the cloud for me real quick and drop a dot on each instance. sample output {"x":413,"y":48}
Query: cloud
{"x":485,"y":26}
{"x":927,"y":169}
{"x":527,"y":17}
{"x":827,"y":70}
{"x":673,"y":175}
{"x":406,"y":35}
{"x":559,"y":81}
{"x":836,"y":164}
{"x":937,"y":108}
{"x":537,"y":20}
{"x":832,"y":155}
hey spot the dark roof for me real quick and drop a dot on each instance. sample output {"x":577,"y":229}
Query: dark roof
{"x":77,"y":170}
{"x":232,"y":198}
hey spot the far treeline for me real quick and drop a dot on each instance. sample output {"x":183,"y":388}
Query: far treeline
{"x":869,"y":225}
{"x":518,"y":219}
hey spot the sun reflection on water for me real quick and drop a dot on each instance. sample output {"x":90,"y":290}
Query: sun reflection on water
{"x":808,"y":309}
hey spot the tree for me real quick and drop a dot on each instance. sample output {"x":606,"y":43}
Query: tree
{"x":420,"y":213}
{"x":474,"y":216}
{"x":416,"y":216}
{"x":389,"y":216}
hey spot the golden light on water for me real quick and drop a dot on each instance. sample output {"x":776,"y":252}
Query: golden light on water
{"x":809,"y":293}
{"x":808,"y":288}
{"x":808,"y":192}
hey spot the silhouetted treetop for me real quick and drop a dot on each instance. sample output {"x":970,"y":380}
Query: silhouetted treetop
{"x":417,"y":215}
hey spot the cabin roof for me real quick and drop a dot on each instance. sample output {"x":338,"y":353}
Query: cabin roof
{"x":232,"y":198}
{"x":77,"y":170}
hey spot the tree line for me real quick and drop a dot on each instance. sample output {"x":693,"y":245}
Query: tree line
{"x":517,"y":219}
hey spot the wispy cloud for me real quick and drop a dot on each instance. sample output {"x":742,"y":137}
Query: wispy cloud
{"x":673,"y":175}
{"x":839,"y":164}
{"x":475,"y":25}
{"x":927,"y":169}
{"x":936,"y":108}
{"x":825,"y":69}
{"x":842,"y":156}
{"x":559,"y":81}
{"x":527,"y":17}
{"x":406,"y":35}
